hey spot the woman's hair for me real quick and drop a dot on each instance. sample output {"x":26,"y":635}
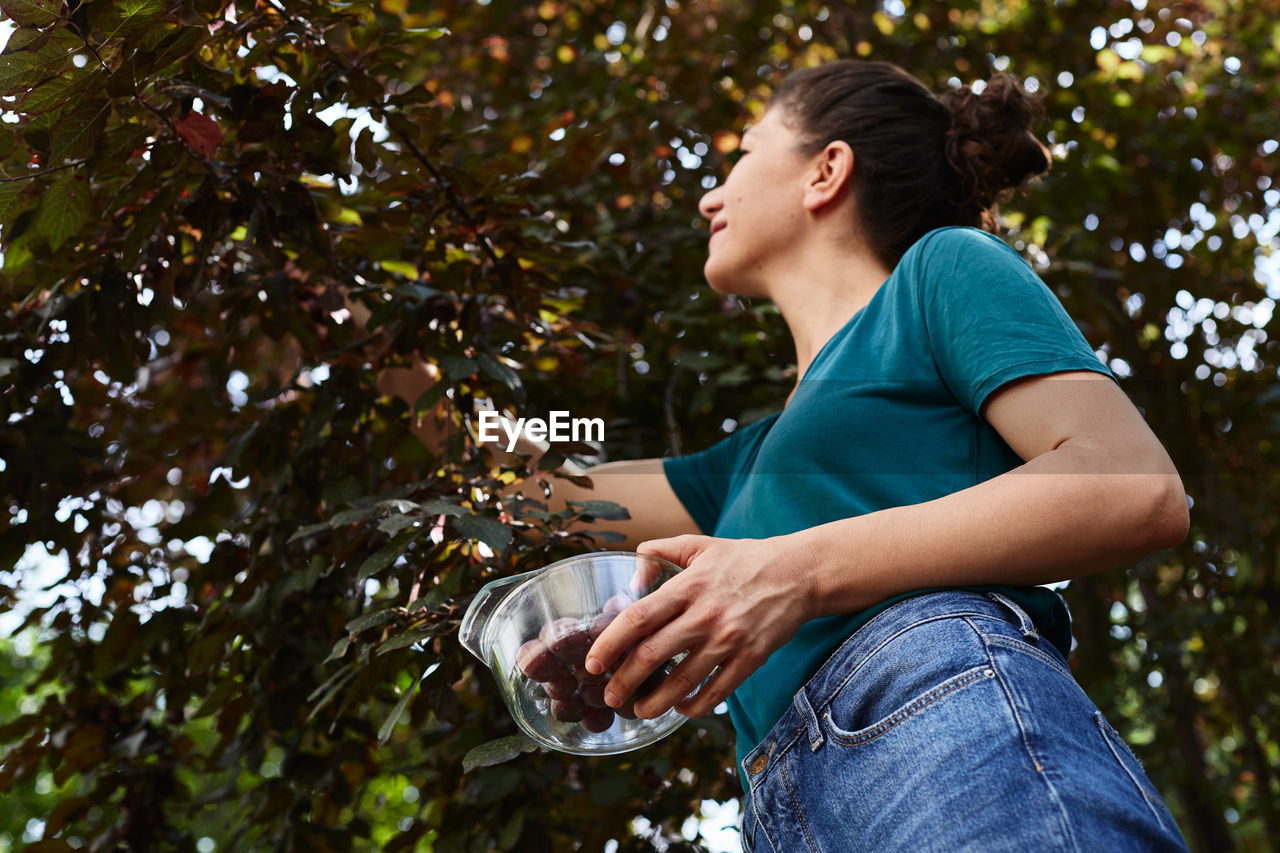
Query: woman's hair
{"x":920,"y":161}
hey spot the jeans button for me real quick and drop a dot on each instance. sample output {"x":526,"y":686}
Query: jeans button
{"x":762,"y":761}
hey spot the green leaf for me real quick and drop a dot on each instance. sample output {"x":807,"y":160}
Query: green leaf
{"x":24,"y":38}
{"x":13,"y":199}
{"x":428,"y":399}
{"x":389,"y":724}
{"x":309,"y":530}
{"x":219,"y":696}
{"x":324,"y":694}
{"x":300,"y":580}
{"x":64,"y":209}
{"x":122,"y":82}
{"x":401,"y":641}
{"x":490,"y":531}
{"x":237,"y":445}
{"x":493,"y":366}
{"x":32,"y":13}
{"x":119,"y":145}
{"x":119,"y":636}
{"x":351,"y":516}
{"x":414,"y":291}
{"x":442,"y":506}
{"x":608,"y":510}
{"x":498,"y":751}
{"x":403,"y":268}
{"x":370,"y":620}
{"x":174,"y":43}
{"x":251,"y":607}
{"x":59,"y":92}
{"x":339,"y":648}
{"x":78,"y":131}
{"x":428,"y":601}
{"x":393,"y":524}
{"x":142,"y":228}
{"x":384,"y":556}
{"x":28,"y":68}
{"x":510,"y":835}
{"x":126,"y":18}
{"x":457,"y":366}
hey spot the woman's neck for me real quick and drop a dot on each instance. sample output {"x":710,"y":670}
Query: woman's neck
{"x":818,"y":297}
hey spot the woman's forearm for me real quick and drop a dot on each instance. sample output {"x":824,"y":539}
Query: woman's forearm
{"x":1064,"y":514}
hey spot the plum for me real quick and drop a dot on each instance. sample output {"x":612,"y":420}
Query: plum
{"x":599,"y":623}
{"x":561,"y":688}
{"x":593,"y":694}
{"x":555,"y":661}
{"x":567,"y":639}
{"x":618,"y":603}
{"x":537,"y":661}
{"x":569,"y":710}
{"x":596,"y":719}
{"x":584,"y":677}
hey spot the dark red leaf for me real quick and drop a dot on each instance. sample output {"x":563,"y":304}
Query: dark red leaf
{"x":200,"y":132}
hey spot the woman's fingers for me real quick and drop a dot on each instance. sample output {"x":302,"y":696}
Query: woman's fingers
{"x":640,"y":671}
{"x":682,"y":681}
{"x":718,"y":687}
{"x":630,"y":626}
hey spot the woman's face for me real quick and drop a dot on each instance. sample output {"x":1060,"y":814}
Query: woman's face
{"x":757,"y":213}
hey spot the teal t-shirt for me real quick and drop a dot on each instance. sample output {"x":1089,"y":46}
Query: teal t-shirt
{"x":887,"y":416}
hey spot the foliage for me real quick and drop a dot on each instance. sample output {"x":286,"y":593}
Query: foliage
{"x":511,"y":188}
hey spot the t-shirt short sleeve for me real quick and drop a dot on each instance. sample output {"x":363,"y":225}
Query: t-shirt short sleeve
{"x":991,"y":319}
{"x":702,"y":480}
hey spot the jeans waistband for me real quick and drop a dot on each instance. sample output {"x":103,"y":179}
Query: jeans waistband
{"x":801,"y":718}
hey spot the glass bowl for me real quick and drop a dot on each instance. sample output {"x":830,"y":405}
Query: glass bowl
{"x":533,"y":631}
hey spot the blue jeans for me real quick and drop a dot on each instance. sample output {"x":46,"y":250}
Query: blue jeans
{"x":947,"y":723}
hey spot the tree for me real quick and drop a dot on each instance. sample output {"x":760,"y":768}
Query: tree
{"x":511,"y":189}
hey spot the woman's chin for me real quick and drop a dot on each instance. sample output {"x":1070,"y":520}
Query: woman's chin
{"x":727,"y":284}
{"x":720,"y":280}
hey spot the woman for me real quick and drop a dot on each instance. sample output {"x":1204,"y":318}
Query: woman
{"x":860,"y":569}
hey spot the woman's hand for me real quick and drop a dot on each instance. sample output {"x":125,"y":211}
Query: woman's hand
{"x":736,"y":602}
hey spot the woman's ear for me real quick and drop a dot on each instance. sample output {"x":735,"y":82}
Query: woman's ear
{"x":832,"y":173}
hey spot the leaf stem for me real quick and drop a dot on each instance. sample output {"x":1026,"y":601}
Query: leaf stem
{"x":31,"y":175}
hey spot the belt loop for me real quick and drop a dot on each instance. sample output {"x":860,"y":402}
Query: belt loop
{"x":1025,"y":624}
{"x":811,"y":719}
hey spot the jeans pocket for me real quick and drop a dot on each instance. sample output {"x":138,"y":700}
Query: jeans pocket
{"x":1131,"y":766}
{"x":906,"y":675}
{"x":848,"y":724}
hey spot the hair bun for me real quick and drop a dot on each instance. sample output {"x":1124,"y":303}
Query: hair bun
{"x":990,"y":143}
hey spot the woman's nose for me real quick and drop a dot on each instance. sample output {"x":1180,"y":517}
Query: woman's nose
{"x":710,"y":204}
